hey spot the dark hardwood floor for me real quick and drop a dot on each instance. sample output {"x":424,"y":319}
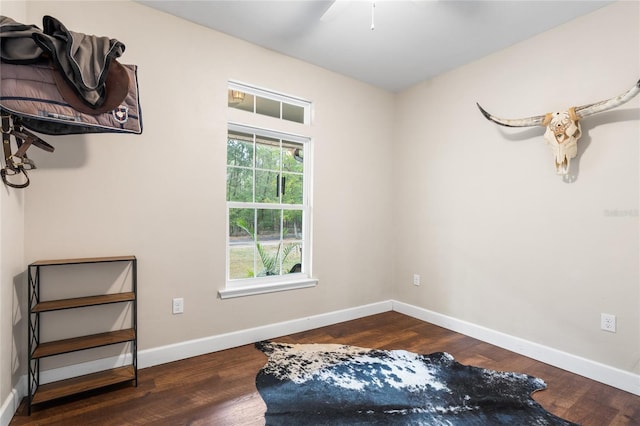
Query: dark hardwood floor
{"x":219,"y":388}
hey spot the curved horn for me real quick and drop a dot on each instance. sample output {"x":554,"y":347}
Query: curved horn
{"x":590,"y":109}
{"x":538,"y":120}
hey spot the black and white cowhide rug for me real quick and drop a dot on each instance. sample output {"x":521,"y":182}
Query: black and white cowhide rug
{"x":325,"y":384}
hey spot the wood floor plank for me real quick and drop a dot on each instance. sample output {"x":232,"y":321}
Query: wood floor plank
{"x":219,"y":388}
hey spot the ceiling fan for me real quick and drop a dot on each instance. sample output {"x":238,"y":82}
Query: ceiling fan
{"x":334,"y":9}
{"x":338,"y":6}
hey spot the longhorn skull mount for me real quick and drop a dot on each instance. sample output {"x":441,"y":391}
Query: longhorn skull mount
{"x":563,"y":128}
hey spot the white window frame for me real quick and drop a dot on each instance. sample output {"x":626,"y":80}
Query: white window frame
{"x":264,"y":93}
{"x":260,"y":285}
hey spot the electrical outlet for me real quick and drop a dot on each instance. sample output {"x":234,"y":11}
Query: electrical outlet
{"x":416,"y":279}
{"x":608,"y":322}
{"x":178,"y":305}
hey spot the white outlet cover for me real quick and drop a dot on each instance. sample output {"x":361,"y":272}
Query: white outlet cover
{"x":608,"y":322}
{"x":178,"y":305}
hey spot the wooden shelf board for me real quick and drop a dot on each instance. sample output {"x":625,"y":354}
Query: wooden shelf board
{"x":79,"y":302}
{"x":85,"y":342}
{"x":82,"y":260}
{"x":62,"y":388}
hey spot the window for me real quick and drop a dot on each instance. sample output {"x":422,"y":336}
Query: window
{"x":267,"y":103}
{"x":267,"y":194}
{"x":265,"y":204}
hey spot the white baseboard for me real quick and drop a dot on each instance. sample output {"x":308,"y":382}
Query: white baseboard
{"x":149,"y":357}
{"x":169,"y":353}
{"x":611,"y":376}
{"x":11,"y":404}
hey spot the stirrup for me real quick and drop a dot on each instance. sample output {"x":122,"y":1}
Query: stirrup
{"x":9,"y":172}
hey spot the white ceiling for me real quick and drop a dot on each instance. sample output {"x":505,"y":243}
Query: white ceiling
{"x":412,"y":41}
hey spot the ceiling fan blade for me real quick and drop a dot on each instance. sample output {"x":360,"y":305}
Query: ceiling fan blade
{"x":336,"y":7}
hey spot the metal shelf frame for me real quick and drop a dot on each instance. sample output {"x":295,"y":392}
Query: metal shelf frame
{"x":97,"y":380}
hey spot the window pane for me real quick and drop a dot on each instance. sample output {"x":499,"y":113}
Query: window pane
{"x":269,"y":245}
{"x":240,"y":149}
{"x":239,"y":184}
{"x":267,"y":187}
{"x":241,"y":262}
{"x":270,"y":259}
{"x":292,"y":258}
{"x":242,"y":245}
{"x":278,"y":259}
{"x":292,"y":221}
{"x":241,"y":226}
{"x":292,"y":235}
{"x":268,"y":107}
{"x":268,"y":153}
{"x":293,"y":157}
{"x":293,"y":113}
{"x":268,"y":225}
{"x":292,"y":188}
{"x":240,"y":100}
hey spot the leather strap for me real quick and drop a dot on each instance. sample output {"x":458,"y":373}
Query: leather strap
{"x":24,"y":139}
{"x":30,"y":138}
{"x":6,"y":138}
{"x":13,"y":167}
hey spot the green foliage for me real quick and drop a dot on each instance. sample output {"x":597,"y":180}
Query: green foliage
{"x":271,"y":261}
{"x":258,"y":179}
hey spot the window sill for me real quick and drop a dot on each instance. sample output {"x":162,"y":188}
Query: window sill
{"x":229,"y":293}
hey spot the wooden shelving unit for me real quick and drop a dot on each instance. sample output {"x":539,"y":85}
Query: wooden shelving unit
{"x":38,"y":393}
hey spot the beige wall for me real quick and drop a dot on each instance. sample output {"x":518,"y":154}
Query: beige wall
{"x":499,"y":239}
{"x":12,"y":267}
{"x":161,"y":195}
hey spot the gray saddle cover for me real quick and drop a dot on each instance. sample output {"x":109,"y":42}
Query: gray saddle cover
{"x":29,"y":93}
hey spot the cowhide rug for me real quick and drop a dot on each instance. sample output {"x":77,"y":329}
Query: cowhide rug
{"x":346,"y":385}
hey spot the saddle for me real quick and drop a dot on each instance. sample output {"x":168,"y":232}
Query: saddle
{"x":38,"y":94}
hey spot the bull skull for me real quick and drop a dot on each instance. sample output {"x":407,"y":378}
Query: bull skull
{"x":563,"y":128}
